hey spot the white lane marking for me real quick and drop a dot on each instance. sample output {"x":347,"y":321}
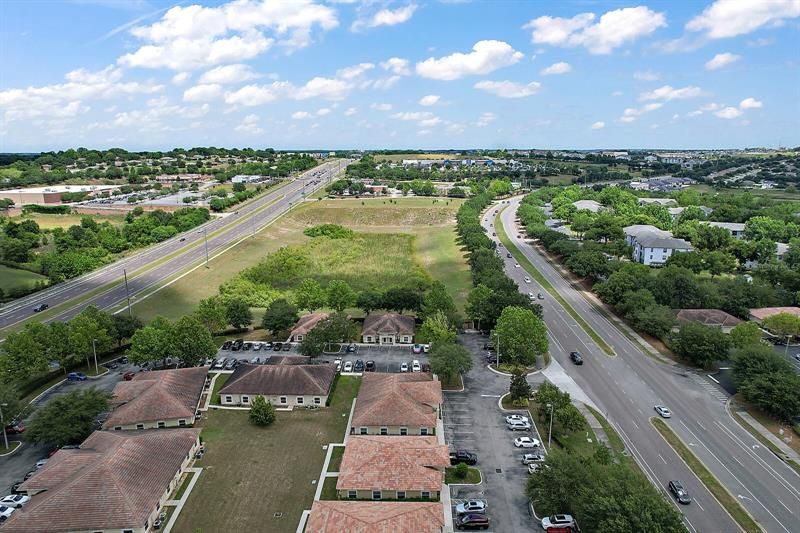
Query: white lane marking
{"x":780,"y":502}
{"x":698,"y":504}
{"x":662,"y":458}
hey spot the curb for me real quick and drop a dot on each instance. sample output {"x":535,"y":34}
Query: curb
{"x":498,"y":372}
{"x":463,"y":387}
{"x":12,"y":452}
{"x":468,"y":484}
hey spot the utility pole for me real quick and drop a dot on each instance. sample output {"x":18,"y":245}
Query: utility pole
{"x":205,"y":235}
{"x":3,"y":424}
{"x":127,"y":292}
{"x":550,"y":432}
{"x":94,"y":349}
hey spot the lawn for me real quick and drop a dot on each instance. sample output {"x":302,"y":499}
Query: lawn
{"x":12,"y":278}
{"x":336,"y":459}
{"x":473,"y":476}
{"x":429,"y":221}
{"x":251,"y":473}
{"x":218,"y":383}
{"x":50,"y":221}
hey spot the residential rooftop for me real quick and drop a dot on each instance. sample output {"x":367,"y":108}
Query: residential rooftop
{"x":408,"y":400}
{"x":375,"y":517}
{"x":280,"y":379}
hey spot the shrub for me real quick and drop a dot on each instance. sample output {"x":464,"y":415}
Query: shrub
{"x":332,"y":231}
{"x":262,"y":413}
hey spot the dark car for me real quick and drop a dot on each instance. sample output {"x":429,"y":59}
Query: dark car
{"x":463,"y":456}
{"x":15,"y":428}
{"x":76,"y":376}
{"x":277,"y":347}
{"x":123,"y":360}
{"x":287,"y":347}
{"x":508,"y":254}
{"x":359,"y":366}
{"x":491,"y":358}
{"x":230,"y":364}
{"x":246,"y":346}
{"x":472,"y":521}
{"x":369,"y":366}
{"x":488,"y":346}
{"x":112,"y":365}
{"x":127,"y":376}
{"x":29,"y":475}
{"x":15,"y":488}
{"x":576,"y":358}
{"x":677,"y":490}
{"x":227,"y":345}
{"x":351,"y":348}
{"x":39,"y":308}
{"x":237,"y":345}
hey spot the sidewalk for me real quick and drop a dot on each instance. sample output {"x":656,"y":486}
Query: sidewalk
{"x":555,"y":373}
{"x":787,"y":452}
{"x":594,"y":423}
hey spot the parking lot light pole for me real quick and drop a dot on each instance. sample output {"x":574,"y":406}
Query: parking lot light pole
{"x":127,"y":292}
{"x":94,"y":349}
{"x":550,"y":432}
{"x":3,"y":423}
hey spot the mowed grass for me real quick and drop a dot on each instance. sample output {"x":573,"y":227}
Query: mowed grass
{"x":51,"y":221}
{"x":429,"y":221}
{"x":250,"y":473}
{"x":13,"y":278}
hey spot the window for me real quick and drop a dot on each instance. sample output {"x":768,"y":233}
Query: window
{"x":401,"y":495}
{"x":423,"y":431}
{"x":299,"y":400}
{"x":351,"y":494}
{"x":181,"y":422}
{"x":162,"y":424}
{"x":426,"y":495}
{"x":127,"y":531}
{"x":368,"y":338}
{"x":384,"y":431}
{"x":139,"y":426}
{"x":228,"y":399}
{"x":298,"y":338}
{"x":363,"y":431}
{"x":317,"y":400}
{"x":376,"y":495}
{"x":245,"y":399}
{"x":117,"y":428}
{"x":665,"y":250}
{"x":283,"y":399}
{"x":404,"y":431}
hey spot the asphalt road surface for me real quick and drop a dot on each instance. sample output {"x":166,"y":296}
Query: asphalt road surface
{"x":626,"y":388}
{"x":189,"y":248}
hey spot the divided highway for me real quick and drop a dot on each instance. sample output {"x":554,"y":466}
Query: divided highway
{"x":173,"y":256}
{"x":626,"y":388}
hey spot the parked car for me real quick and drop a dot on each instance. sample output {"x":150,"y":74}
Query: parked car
{"x":29,"y":475}
{"x":15,"y":500}
{"x":112,"y":365}
{"x":40,"y":463}
{"x":663,"y":412}
{"x":230,"y":364}
{"x":256,"y":346}
{"x":404,"y":367}
{"x":472,"y":521}
{"x":417,"y":348}
{"x":348,"y":366}
{"x":369,"y":366}
{"x":426,"y":348}
{"x":516,"y":265}
{"x":491,"y":358}
{"x":351,"y":348}
{"x":557,"y":520}
{"x":237,"y":345}
{"x":217,"y":364}
{"x":359,"y":366}
{"x":76,"y":376}
{"x":255,"y":360}
{"x":227,"y":345}
{"x":15,"y":428}
{"x":246,"y":346}
{"x":530,"y":458}
{"x":415,"y":367}
{"x":5,"y":513}
{"x":508,"y":254}
{"x":516,"y":418}
{"x":526,"y":442}
{"x":127,"y":376}
{"x":471,"y":506}
{"x":677,"y":490}
{"x":276,"y":347}
{"x":518,"y":426}
{"x":286,"y":347}
{"x":463,"y":456}
{"x":540,"y":296}
{"x":338,"y":364}
{"x":15,"y":487}
{"x":533,"y":468}
{"x":39,"y":308}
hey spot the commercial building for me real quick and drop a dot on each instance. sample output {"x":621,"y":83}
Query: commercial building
{"x":284,"y":385}
{"x":372,"y":517}
{"x":387,"y":328}
{"x":50,"y":195}
{"x":716,"y":318}
{"x":397,"y":404}
{"x":305,"y":324}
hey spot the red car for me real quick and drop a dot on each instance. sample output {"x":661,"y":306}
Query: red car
{"x":127,"y":376}
{"x":14,"y":429}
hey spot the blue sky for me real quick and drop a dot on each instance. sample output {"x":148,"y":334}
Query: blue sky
{"x":144,"y":74}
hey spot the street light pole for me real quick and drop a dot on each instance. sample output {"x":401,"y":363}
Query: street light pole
{"x":205,"y":235}
{"x":550,"y":432}
{"x":94,"y":349}
{"x":127,"y":292}
{"x":3,"y":424}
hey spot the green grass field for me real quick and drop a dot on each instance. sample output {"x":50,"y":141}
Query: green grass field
{"x":12,"y":278}
{"x":429,"y":221}
{"x":50,"y":221}
{"x":251,"y":473}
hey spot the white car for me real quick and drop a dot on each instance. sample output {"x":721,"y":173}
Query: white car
{"x":530,"y":458}
{"x":516,"y":265}
{"x":415,"y":366}
{"x":471,"y":506}
{"x":5,"y":512}
{"x":518,"y":426}
{"x":534,"y":467}
{"x":557,"y":520}
{"x":526,"y":442}
{"x":338,"y":363}
{"x":516,"y":418}
{"x":404,"y":367}
{"x":40,"y":463}
{"x":426,"y":348}
{"x":527,"y":279}
{"x":664,"y":412}
{"x":348,"y":366}
{"x":531,"y":296}
{"x":15,"y":500}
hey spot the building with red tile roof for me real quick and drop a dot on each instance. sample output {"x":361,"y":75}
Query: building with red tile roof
{"x":305,"y":324}
{"x":375,"y":517}
{"x":284,"y":385}
{"x":397,"y":404}
{"x":387,"y":328}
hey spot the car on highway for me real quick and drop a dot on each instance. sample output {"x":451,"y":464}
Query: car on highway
{"x":472,"y":521}
{"x":76,"y":376}
{"x":348,"y":366}
{"x":15,"y":500}
{"x":5,"y":513}
{"x":517,"y":418}
{"x":527,"y":442}
{"x":557,"y":521}
{"x":663,"y":411}
{"x":576,"y":358}
{"x":518,"y":426}
{"x":39,"y":308}
{"x":471,"y":506}
{"x":527,"y":279}
{"x":530,"y":458}
{"x":677,"y":490}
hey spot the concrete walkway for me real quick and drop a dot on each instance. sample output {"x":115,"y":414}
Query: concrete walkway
{"x":594,"y":423}
{"x":786,"y":450}
{"x":178,"y":508}
{"x":557,"y":376}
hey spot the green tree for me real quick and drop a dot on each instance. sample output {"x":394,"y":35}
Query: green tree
{"x":340,"y":295}
{"x":745,"y":334}
{"x":309,"y":295}
{"x":711,"y":238}
{"x":569,"y":418}
{"x":479,"y":304}
{"x":756,"y":360}
{"x":702,"y":345}
{"x":125,"y":326}
{"x":783,"y":324}
{"x":335,"y":328}
{"x":449,"y":360}
{"x":87,"y":336}
{"x":777,"y":393}
{"x":262,"y":413}
{"x":437,"y":330}
{"x":369,"y":300}
{"x":58,"y":347}
{"x":69,"y":418}
{"x":211,"y":312}
{"x":238,"y":314}
{"x":193,"y":341}
{"x":519,"y":389}
{"x":11,"y":402}
{"x":401,"y":299}
{"x":520,"y":335}
{"x":279,"y":316}
{"x":154,"y":342}
{"x":22,"y":354}
{"x":437,"y":299}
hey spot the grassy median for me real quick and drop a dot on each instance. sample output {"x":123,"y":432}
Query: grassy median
{"x":725,"y":498}
{"x":540,"y":279}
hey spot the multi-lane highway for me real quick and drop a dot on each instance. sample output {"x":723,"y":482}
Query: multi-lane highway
{"x":626,"y":388}
{"x":160,"y":263}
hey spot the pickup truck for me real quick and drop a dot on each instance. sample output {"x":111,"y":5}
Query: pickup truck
{"x":463,"y":456}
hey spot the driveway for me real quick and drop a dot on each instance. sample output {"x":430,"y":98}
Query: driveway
{"x":474,"y":421}
{"x":14,"y":467}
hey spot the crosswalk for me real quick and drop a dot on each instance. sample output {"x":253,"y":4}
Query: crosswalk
{"x":712,"y":388}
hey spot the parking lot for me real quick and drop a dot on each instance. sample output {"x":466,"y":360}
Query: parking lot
{"x":474,"y":421}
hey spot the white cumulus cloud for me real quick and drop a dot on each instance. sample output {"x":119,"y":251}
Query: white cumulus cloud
{"x":385,"y":17}
{"x":228,"y":74}
{"x":397,"y":65}
{"x":202,"y":93}
{"x":249,"y":125}
{"x":631,"y":113}
{"x":508,"y":89}
{"x":646,"y":75}
{"x":429,"y":100}
{"x":301,"y":115}
{"x":668,"y":92}
{"x":750,"y":103}
{"x":728,"y":112}
{"x":721,"y":60}
{"x":729,"y":18}
{"x":556,"y":68}
{"x":181,"y":78}
{"x":381,"y":107}
{"x":485,"y":57}
{"x":599,"y":125}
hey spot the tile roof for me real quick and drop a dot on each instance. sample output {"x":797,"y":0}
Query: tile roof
{"x":375,"y":517}
{"x":307,"y":322}
{"x":113,"y":481}
{"x":280,"y":379}
{"x":397,"y":400}
{"x":157,"y":395}
{"x":708,"y":317}
{"x":765,"y":312}
{"x":393,"y":463}
{"x":650,"y":240}
{"x":389,"y":323}
{"x":287,"y":360}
